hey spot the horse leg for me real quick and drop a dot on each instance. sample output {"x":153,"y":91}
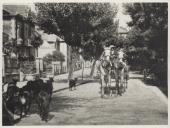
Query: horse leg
{"x":29,"y":106}
{"x":117,"y":83}
{"x":21,"y":110}
{"x":126,"y":83}
{"x":110,"y":87}
{"x":118,"y":88}
{"x":125,"y":80}
{"x":106,"y":80}
{"x":122,"y":80}
{"x":102,"y":86}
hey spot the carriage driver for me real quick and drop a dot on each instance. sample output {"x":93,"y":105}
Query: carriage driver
{"x":112,"y":51}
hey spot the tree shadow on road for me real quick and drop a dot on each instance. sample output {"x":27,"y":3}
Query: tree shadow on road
{"x":62,"y":81}
{"x":136,"y":77}
{"x":65,"y":80}
{"x":79,"y":83}
{"x":162,"y":85}
{"x":60,"y":103}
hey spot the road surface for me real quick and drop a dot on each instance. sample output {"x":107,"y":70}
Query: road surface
{"x":139,"y":105}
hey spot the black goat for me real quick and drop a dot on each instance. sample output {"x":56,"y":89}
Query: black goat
{"x":43,"y":101}
{"x":48,"y":87}
{"x":72,"y":83}
{"x":7,"y":115}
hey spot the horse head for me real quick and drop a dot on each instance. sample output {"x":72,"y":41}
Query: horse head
{"x":105,"y":64}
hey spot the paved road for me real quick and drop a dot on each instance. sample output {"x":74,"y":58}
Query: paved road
{"x":140,"y":105}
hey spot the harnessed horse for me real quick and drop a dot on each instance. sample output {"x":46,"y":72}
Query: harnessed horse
{"x":105,"y":75}
{"x":114,"y":66}
{"x":120,"y":71}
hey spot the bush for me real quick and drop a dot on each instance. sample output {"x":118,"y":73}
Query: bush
{"x":159,"y":70}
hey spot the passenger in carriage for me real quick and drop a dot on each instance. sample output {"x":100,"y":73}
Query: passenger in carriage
{"x":121,"y":57}
{"x":113,"y":52}
{"x":109,"y":50}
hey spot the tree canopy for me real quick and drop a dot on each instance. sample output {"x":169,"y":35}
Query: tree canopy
{"x":148,"y":33}
{"x":55,"y":56}
{"x":149,"y":26}
{"x":82,"y":25}
{"x":85,"y":25}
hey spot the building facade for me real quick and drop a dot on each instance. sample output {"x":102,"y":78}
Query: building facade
{"x":18,"y":51}
{"x":50,"y":44}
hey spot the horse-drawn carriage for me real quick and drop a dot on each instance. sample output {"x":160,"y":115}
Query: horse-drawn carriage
{"x":110,"y":69}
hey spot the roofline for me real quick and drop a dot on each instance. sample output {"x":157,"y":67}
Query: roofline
{"x":6,"y":11}
{"x":19,"y":17}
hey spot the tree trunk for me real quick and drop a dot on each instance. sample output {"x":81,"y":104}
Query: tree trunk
{"x":83,"y":63}
{"x":92,"y":68}
{"x":70,"y":73}
{"x":37,"y":52}
{"x":61,"y":65}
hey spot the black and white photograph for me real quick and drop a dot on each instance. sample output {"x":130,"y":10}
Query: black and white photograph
{"x":84,"y":63}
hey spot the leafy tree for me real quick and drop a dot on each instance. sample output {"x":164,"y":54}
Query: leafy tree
{"x":58,"y":56}
{"x":36,"y":40}
{"x":149,"y":29}
{"x":78,"y":23}
{"x":151,"y":21}
{"x":48,"y":58}
{"x":55,"y":56}
{"x":104,"y":31}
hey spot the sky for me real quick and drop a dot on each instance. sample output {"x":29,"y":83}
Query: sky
{"x":32,"y":6}
{"x":123,"y":19}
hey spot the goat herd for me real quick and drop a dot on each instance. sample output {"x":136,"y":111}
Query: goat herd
{"x":21,"y":99}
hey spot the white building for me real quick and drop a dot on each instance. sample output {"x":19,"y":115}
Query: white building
{"x":48,"y":46}
{"x":52,"y":43}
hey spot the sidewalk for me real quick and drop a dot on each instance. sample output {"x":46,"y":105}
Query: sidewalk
{"x":60,"y":80}
{"x":77,"y":74}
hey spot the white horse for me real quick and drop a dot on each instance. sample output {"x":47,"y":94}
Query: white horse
{"x":119,"y":71}
{"x":104,"y":68}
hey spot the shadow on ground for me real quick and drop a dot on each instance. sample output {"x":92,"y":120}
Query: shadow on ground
{"x":136,"y":77}
{"x":79,"y":83}
{"x":162,"y":85}
{"x":66,"y":80}
{"x":61,"y":103}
